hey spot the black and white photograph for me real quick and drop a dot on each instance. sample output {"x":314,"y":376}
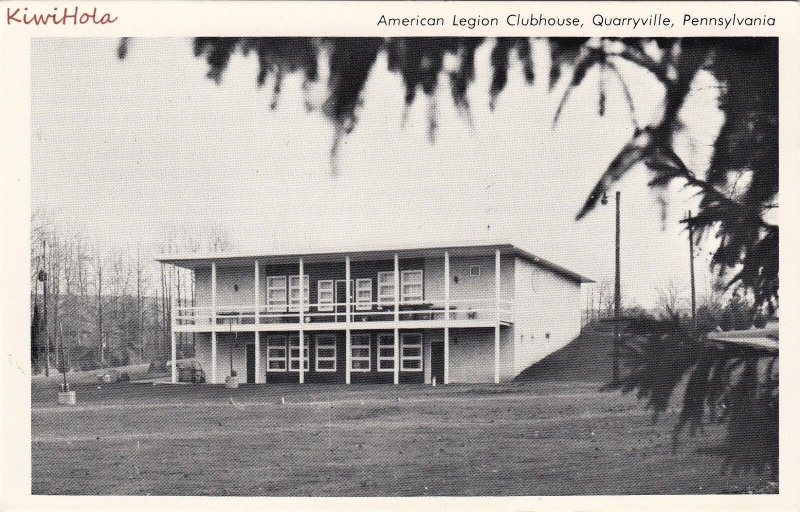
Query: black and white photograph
{"x":404,"y":266}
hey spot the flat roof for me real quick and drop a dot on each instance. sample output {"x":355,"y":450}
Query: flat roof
{"x":196,"y":260}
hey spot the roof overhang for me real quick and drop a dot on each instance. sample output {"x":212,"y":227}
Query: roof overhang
{"x":194,"y":261}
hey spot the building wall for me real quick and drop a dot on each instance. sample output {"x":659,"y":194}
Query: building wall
{"x":235,"y":285}
{"x":469,"y":287}
{"x":243,"y":278}
{"x":226,"y":342}
{"x":471,"y":358}
{"x":547,"y":313}
{"x":472,"y":355}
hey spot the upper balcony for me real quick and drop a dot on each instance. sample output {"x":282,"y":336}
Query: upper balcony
{"x":342,"y":315}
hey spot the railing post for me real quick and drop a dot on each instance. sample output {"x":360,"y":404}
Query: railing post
{"x":348,"y":319}
{"x":396,"y":318}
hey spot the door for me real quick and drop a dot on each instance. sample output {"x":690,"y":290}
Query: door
{"x":341,"y":299}
{"x":251,"y":363}
{"x":437,"y":362}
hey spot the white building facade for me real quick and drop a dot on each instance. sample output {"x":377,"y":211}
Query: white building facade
{"x":461,"y":314}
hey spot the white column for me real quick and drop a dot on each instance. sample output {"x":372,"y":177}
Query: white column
{"x":301,"y":334}
{"x":446,"y":318}
{"x":213,"y":322}
{"x":348,"y":319}
{"x":213,"y":294}
{"x":256,"y":293}
{"x":213,"y":357}
{"x":256,"y":321}
{"x":174,"y":359}
{"x":497,"y":320}
{"x":257,"y":368}
{"x":396,"y":319}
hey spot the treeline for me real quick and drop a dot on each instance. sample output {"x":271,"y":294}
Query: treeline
{"x":718,"y":310}
{"x":108,"y":307}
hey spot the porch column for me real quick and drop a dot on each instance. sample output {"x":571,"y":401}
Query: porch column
{"x":256,"y":321}
{"x":497,"y":319}
{"x":256,"y":293}
{"x":446,"y":378}
{"x":213,"y":294}
{"x":348,"y":319}
{"x":174,"y":359}
{"x":257,"y":367}
{"x":213,"y":322}
{"x":301,"y":334}
{"x":396,"y":318}
{"x":213,"y":357}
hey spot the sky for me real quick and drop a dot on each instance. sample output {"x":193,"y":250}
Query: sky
{"x":132,"y":153}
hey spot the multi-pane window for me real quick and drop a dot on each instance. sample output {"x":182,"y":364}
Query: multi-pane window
{"x":326,"y":353}
{"x":294,"y":353}
{"x":360,"y":353}
{"x":385,"y":287}
{"x":385,"y":352}
{"x":363,"y":294}
{"x":276,"y":354}
{"x":411,"y":352}
{"x":276,"y":293}
{"x":411,"y":285}
{"x":325,"y":295}
{"x":294,"y":293}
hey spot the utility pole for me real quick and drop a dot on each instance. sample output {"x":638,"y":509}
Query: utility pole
{"x":691,"y":265}
{"x":43,"y":279}
{"x":617,"y":295}
{"x":617,"y":299}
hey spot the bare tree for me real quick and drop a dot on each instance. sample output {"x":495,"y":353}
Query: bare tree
{"x":100,"y":311}
{"x":671,"y":302}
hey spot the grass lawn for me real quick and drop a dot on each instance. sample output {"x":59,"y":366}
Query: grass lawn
{"x":526,"y":438}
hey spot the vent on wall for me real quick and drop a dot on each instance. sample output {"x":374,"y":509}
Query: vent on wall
{"x":474,"y":270}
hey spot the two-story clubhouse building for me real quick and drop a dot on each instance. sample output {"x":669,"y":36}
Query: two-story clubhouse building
{"x":458,"y":314}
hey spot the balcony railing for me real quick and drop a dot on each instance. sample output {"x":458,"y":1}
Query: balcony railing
{"x":467,"y":309}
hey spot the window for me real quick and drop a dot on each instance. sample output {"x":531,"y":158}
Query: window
{"x":360,"y":353}
{"x":385,"y":287}
{"x":363,"y":294}
{"x":536,"y":281}
{"x":411,"y":285}
{"x":411,"y":352}
{"x":276,"y":293}
{"x":386,"y":352}
{"x":474,"y":270}
{"x":325,"y":295}
{"x":294,"y":353}
{"x":326,"y":353}
{"x":276,"y":354}
{"x":294,"y":293}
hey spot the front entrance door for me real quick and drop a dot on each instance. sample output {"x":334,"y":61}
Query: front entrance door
{"x":437,"y":362}
{"x":251,"y":363}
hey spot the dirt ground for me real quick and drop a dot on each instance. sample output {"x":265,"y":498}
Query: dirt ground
{"x":529,"y":438}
